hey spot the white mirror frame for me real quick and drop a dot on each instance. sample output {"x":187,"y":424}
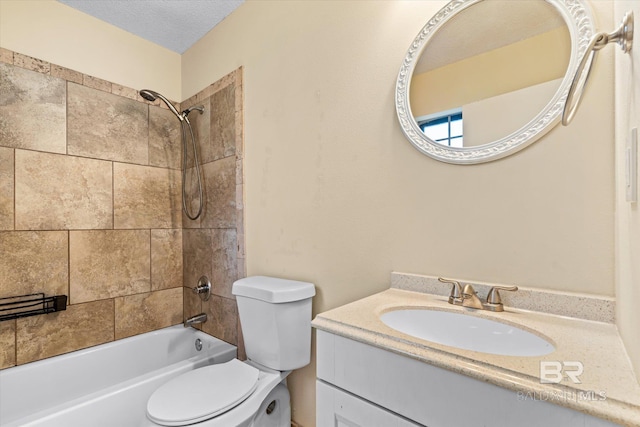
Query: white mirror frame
{"x":576,"y":15}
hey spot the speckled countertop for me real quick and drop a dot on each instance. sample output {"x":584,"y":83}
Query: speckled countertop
{"x":597,"y":345}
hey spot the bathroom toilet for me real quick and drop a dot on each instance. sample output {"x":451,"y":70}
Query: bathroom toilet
{"x":275,"y":316}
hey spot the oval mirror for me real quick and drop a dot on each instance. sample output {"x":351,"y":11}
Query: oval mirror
{"x":485,"y":78}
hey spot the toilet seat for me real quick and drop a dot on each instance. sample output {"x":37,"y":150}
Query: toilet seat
{"x":202,"y":394}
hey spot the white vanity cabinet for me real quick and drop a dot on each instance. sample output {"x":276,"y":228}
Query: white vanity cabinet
{"x":362,"y":385}
{"x":337,"y":408}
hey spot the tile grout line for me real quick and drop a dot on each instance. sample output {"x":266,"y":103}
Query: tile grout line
{"x":14,"y":190}
{"x":113,"y":195}
{"x":66,"y":118}
{"x":150,"y":264}
{"x":69,"y":265}
{"x":66,"y":147}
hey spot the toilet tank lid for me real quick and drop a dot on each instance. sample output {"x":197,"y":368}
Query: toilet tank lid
{"x":273,"y":289}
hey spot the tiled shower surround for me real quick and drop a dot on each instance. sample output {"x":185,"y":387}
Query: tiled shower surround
{"x":90,"y":207}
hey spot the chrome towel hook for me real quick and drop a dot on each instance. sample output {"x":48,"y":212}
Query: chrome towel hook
{"x":623,"y":36}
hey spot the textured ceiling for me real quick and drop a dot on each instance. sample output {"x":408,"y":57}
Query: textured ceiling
{"x":174,"y":24}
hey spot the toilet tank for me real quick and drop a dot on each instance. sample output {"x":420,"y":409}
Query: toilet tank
{"x":275,"y":316}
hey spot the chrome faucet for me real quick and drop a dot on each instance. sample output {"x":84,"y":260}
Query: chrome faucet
{"x":198,"y":318}
{"x":468,"y":297}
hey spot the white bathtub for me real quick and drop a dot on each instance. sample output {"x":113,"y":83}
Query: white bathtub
{"x":107,"y":385}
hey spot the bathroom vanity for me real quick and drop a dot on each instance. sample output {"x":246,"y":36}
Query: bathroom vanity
{"x":369,"y":374}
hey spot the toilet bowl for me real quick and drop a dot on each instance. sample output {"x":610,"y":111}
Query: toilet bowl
{"x":275,"y":316}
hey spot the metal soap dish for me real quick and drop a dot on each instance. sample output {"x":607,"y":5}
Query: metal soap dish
{"x":30,"y":305}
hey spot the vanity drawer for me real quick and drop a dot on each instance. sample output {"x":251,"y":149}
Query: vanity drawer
{"x":429,"y":395}
{"x":336,"y":408}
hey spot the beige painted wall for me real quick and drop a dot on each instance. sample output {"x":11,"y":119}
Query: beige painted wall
{"x":57,"y":33}
{"x":627,"y":214}
{"x":337,"y":196}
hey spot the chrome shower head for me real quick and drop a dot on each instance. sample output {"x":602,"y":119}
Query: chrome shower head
{"x":151,"y":96}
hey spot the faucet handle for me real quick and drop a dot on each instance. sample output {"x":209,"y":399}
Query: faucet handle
{"x":455,"y":297}
{"x":203,"y":288}
{"x":494,"y":302}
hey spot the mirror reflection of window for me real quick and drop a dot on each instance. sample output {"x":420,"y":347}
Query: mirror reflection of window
{"x":444,"y":128}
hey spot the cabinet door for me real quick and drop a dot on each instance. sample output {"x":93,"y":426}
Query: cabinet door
{"x":336,"y":408}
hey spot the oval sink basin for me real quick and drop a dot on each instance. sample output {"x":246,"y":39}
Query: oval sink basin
{"x":467,"y":332}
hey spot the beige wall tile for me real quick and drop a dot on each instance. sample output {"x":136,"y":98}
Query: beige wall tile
{"x":222,"y":319}
{"x":161,"y":104}
{"x":108,"y":263}
{"x":62,"y":192}
{"x":127,"y":92}
{"x":32,"y":110}
{"x":240,"y":242}
{"x":33,"y":261}
{"x":166,"y":259}
{"x":205,"y":93}
{"x":240,"y":221}
{"x":201,"y":130}
{"x":213,"y":249}
{"x":96,"y":83}
{"x":192,"y":304}
{"x":106,"y":126}
{"x":239,"y":197}
{"x":193,"y":198}
{"x":121,"y":264}
{"x":79,"y":326}
{"x":165,"y":148}
{"x":30,"y":63}
{"x":225,"y":81}
{"x":239,"y":171}
{"x":237,"y":82}
{"x":242,"y":354}
{"x":7,"y":344}
{"x":190,"y":101}
{"x":242,"y":268}
{"x":190,"y":223}
{"x":220,"y":194}
{"x":240,"y":214}
{"x":223,"y":122}
{"x":146,"y":197}
{"x":6,"y":188}
{"x":197,"y":250}
{"x":66,"y":73}
{"x":239,"y":135}
{"x":224,"y":261}
{"x":6,"y":55}
{"x":137,"y":314}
